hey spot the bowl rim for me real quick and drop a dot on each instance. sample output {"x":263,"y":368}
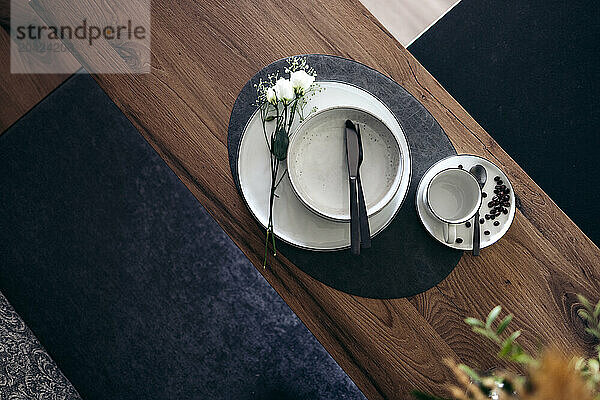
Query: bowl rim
{"x":381,"y":203}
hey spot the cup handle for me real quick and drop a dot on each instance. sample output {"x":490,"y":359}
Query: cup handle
{"x":449,"y":233}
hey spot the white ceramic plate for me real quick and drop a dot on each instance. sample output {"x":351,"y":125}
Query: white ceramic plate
{"x":318,"y":169}
{"x":293,"y":222}
{"x":435,"y":227}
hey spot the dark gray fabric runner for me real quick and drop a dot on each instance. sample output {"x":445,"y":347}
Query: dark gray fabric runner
{"x":130,"y":285}
{"x":404,"y":259}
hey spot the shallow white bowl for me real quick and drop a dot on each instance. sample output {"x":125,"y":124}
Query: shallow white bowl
{"x":317,"y":162}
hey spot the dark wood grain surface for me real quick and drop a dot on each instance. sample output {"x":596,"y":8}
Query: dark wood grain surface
{"x":204,"y":52}
{"x":21,"y":92}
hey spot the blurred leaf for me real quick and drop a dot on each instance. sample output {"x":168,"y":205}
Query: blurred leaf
{"x":591,"y":331}
{"x":467,"y":370}
{"x":594,"y":365}
{"x":505,"y":350}
{"x":485,"y":332}
{"x":507,"y":345}
{"x":473,"y":321}
{"x":492,"y":316}
{"x":584,"y":314}
{"x":597,"y":310}
{"x":522,"y":358}
{"x":583,"y":300}
{"x":504,"y":324}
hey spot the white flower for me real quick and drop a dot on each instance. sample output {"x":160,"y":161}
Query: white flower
{"x":301,"y":81}
{"x":284,"y":89}
{"x":271,"y":96}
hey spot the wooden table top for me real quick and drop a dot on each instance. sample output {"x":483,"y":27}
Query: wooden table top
{"x":202,"y":55}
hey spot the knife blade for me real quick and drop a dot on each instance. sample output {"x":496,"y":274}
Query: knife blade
{"x":365,"y":231}
{"x":352,"y":149}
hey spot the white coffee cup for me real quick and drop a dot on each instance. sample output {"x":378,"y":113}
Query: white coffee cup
{"x":453,"y":196}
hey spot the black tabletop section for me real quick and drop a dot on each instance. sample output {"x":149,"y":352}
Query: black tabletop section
{"x":528,"y":72}
{"x":404,"y":260}
{"x":127,"y":281}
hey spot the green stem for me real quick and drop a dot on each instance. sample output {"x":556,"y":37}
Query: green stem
{"x":266,"y":248}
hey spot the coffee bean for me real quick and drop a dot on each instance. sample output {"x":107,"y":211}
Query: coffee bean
{"x":500,"y":182}
{"x":486,"y":232}
{"x":468,"y":224}
{"x":496,"y":223}
{"x":498,"y":187}
{"x":493,"y":216}
{"x":506,"y":204}
{"x":481,"y":220}
{"x":487,"y":216}
{"x":497,"y":178}
{"x":484,"y":195}
{"x":507,"y":190}
{"x":460,"y":166}
{"x":491,"y":204}
{"x":459,"y":240}
{"x":496,"y":191}
{"x":505,"y":211}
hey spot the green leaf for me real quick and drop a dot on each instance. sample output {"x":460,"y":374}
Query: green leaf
{"x":280,"y":144}
{"x":584,"y":314}
{"x":591,"y":331}
{"x":505,"y":350}
{"x":522,"y":358}
{"x":504,"y":324}
{"x":583,"y":300}
{"x":467,"y":370}
{"x":597,"y":310}
{"x":492,"y":316}
{"x":474,"y":321}
{"x":270,"y":118}
{"x":507,"y":345}
{"x":485,"y":332}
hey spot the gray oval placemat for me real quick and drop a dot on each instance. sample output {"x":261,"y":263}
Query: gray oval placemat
{"x":404,"y":260}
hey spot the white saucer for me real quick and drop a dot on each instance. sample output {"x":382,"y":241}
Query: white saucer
{"x":293,"y":222}
{"x":435,"y":226}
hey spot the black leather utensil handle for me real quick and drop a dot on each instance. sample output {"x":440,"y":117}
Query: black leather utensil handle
{"x":365,"y":231}
{"x":354,"y":219}
{"x":476,"y":235}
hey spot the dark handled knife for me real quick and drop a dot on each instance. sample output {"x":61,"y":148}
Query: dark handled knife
{"x":365,"y":231}
{"x":352,"y":150}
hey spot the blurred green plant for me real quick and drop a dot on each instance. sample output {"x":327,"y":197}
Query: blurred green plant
{"x":590,"y":368}
{"x":506,"y":385}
